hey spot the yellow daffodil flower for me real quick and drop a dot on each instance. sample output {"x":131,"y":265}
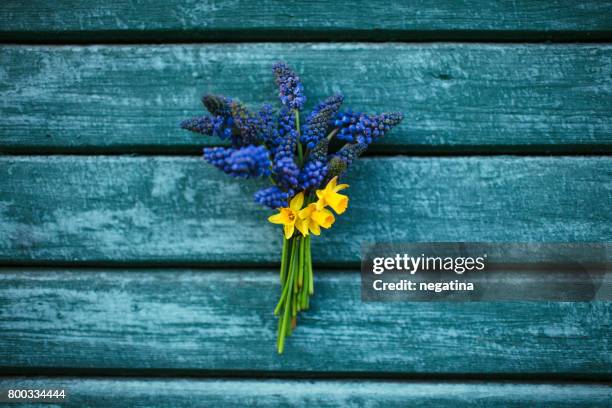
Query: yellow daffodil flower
{"x":288,"y":216}
{"x":311,"y":219}
{"x":329,"y":197}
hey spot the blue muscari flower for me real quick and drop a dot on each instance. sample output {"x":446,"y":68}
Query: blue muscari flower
{"x":273,"y":197}
{"x":278,"y":131}
{"x":387,"y":121}
{"x":351,"y":151}
{"x":244,"y":162}
{"x":290,"y":89}
{"x":217,"y":105}
{"x":286,"y":134}
{"x":285,"y":170}
{"x":335,"y":167}
{"x":210,"y":125}
{"x":339,"y":162}
{"x":265,"y":143}
{"x":249,"y":125}
{"x":220,"y":107}
{"x":362,"y":128}
{"x":202,"y":124}
{"x":352,"y":125}
{"x":268,"y":123}
{"x":284,"y":167}
{"x":315,"y":169}
{"x":317,"y":122}
{"x":219,"y":124}
{"x":312,"y":174}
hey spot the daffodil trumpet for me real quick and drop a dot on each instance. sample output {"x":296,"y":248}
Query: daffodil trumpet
{"x":302,"y":160}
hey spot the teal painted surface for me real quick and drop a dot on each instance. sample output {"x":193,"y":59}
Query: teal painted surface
{"x":181,"y":210}
{"x":114,"y":20}
{"x":459,"y":98}
{"x":172,"y":393}
{"x":210,"y":321}
{"x":468,"y":98}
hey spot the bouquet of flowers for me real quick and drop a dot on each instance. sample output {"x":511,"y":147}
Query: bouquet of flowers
{"x":302,"y":161}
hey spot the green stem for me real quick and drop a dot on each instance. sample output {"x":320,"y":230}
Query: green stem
{"x":297,"y":264}
{"x":300,"y":154}
{"x":309,"y":269}
{"x":304,"y":292}
{"x":301,"y":263}
{"x":306,"y":283}
{"x":332,"y":134}
{"x":283,"y":329}
{"x":288,"y":301}
{"x":288,"y":284}
{"x":299,"y":142}
{"x":283,"y":268}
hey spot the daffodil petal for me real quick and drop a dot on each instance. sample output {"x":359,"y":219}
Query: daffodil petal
{"x":289,"y":228}
{"x":302,"y":226}
{"x":276,"y":218}
{"x":314,"y":228}
{"x":332,"y":183}
{"x":320,"y":204}
{"x":340,"y":187}
{"x":305,"y":212}
{"x":297,"y":202}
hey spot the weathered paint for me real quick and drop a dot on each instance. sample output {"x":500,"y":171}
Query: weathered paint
{"x":182,"y":210}
{"x":214,"y":320}
{"x":268,"y":20}
{"x":183,"y":393}
{"x":456,"y":97}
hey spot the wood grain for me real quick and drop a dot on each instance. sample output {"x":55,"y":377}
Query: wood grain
{"x":269,"y":20}
{"x":181,"y":210}
{"x":207,"y":320}
{"x":178,"y":393}
{"x":457,"y":98}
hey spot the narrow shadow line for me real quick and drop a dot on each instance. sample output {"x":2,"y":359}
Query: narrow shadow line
{"x":315,"y":34}
{"x":525,"y":378}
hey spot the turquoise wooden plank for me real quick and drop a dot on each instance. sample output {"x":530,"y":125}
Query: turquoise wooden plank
{"x":222,"y":320}
{"x":457,"y":98}
{"x":178,"y":393}
{"x":180,"y":209}
{"x":191,"y":20}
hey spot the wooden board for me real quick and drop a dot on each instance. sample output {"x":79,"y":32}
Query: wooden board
{"x":180,"y":210}
{"x":457,"y":98}
{"x":216,"y":321}
{"x":377,"y":20}
{"x":156,"y":274}
{"x":175,"y":393}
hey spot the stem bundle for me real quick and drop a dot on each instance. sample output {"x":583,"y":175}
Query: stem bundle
{"x":297,"y":285}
